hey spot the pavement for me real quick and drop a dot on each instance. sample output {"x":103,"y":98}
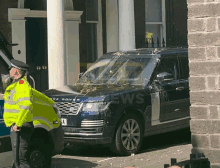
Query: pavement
{"x":147,"y":159}
{"x":155,"y":152}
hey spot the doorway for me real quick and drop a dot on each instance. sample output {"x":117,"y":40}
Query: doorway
{"x":36,"y":51}
{"x":176,"y":23}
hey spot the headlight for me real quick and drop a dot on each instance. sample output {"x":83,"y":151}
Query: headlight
{"x":57,"y":111}
{"x":99,"y":106}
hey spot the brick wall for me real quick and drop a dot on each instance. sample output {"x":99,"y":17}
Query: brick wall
{"x":204,"y":63}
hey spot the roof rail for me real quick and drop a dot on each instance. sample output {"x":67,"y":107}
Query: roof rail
{"x":4,"y":44}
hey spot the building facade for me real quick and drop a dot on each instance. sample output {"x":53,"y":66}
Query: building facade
{"x":204,"y":62}
{"x":92,"y":28}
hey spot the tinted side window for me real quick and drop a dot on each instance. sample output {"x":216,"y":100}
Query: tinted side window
{"x":184,"y":63}
{"x":3,"y":71}
{"x":169,"y":65}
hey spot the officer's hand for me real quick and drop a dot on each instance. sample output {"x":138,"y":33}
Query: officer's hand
{"x":15,"y":128}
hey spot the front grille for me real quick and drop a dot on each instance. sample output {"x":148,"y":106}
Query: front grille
{"x":69,"y":108}
{"x":92,"y":123}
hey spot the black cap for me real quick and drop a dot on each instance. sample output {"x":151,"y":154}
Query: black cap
{"x":19,"y":65}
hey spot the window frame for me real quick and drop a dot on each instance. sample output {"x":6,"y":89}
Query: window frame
{"x":98,"y":35}
{"x":167,"y":57}
{"x":161,"y":24}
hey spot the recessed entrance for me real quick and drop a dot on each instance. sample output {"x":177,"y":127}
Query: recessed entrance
{"x":36,"y":51}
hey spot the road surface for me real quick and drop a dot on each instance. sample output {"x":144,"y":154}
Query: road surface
{"x":155,"y":152}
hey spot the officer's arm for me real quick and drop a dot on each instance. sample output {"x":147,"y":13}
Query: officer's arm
{"x":23,"y":92}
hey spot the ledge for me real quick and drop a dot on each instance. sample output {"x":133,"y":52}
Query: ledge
{"x":20,"y":14}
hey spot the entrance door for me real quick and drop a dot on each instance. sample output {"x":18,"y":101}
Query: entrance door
{"x":36,"y":50}
{"x":176,"y":22}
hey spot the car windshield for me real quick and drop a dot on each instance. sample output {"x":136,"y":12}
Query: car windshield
{"x":117,"y":70}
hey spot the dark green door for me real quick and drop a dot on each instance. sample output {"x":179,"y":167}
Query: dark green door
{"x":36,"y":51}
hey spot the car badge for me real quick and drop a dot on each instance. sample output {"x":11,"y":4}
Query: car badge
{"x":71,"y":109}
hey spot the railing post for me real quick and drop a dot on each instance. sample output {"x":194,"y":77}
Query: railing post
{"x":158,"y":42}
{"x":173,"y":161}
{"x":187,"y":166}
{"x":163,"y":42}
{"x":196,"y":161}
{"x":147,"y":43}
{"x":166,"y":165}
{"x":152,"y":42}
{"x":192,"y":156}
{"x":199,"y":155}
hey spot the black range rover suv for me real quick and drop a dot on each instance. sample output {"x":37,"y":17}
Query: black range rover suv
{"x":125,"y":96}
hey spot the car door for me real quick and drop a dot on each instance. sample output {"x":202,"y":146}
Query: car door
{"x":169,"y":105}
{"x":5,"y":143}
{"x":183,"y":88}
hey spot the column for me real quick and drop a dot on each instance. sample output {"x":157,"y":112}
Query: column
{"x":99,"y":30}
{"x":72,"y":51}
{"x":112,"y":25}
{"x":56,"y":43}
{"x":126,"y":25}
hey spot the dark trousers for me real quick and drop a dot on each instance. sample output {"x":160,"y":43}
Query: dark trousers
{"x":24,"y":146}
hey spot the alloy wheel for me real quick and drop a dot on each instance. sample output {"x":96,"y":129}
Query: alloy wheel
{"x":130,"y":134}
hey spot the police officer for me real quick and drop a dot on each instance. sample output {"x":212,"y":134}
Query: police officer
{"x":18,"y":113}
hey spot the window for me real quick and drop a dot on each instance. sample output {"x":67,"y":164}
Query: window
{"x":91,"y":35}
{"x":184,"y":64}
{"x":164,"y":19}
{"x":3,"y":74}
{"x":155,"y":21}
{"x":169,"y":65}
{"x":91,"y":30}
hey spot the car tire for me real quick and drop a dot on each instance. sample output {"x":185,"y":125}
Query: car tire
{"x":40,"y":154}
{"x":128,"y":141}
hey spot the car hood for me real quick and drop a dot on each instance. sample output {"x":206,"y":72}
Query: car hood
{"x":82,"y":92}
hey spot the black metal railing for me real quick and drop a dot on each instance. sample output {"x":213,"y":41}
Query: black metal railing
{"x":4,"y":44}
{"x":199,"y":162}
{"x":151,"y":44}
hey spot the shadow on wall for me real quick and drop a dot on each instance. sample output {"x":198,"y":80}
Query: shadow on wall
{"x":71,"y":163}
{"x":35,"y":5}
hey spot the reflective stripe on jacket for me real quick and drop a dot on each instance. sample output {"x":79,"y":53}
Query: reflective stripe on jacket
{"x":18,"y":105}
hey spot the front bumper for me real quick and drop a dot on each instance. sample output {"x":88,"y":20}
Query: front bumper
{"x":57,"y":135}
{"x":92,"y":135}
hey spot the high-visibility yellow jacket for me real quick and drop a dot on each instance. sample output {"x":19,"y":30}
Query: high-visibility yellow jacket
{"x":18,"y":104}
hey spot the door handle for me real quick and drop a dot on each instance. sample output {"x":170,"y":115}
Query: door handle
{"x":44,"y":67}
{"x":38,"y":68}
{"x":179,"y":88}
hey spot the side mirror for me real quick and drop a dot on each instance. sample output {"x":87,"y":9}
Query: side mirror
{"x":81,"y":74}
{"x":164,"y":76}
{"x":29,"y":78}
